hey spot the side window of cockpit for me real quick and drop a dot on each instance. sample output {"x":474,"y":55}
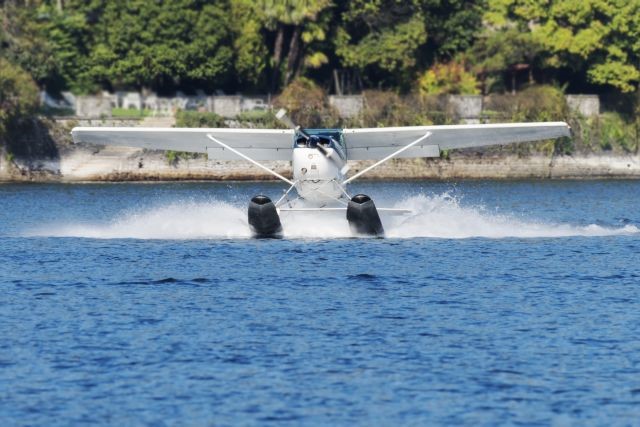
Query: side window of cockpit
{"x":342,"y":143}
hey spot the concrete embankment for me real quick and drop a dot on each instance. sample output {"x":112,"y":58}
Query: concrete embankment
{"x":77,"y":164}
{"x":73,"y":163}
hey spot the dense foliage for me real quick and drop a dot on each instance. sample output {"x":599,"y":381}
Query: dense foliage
{"x":593,"y":42}
{"x":435,"y":46}
{"x":18,"y":96}
{"x":400,"y":53}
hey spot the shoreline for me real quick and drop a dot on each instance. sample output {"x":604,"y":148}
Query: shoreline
{"x":46,"y":153}
{"x":80,"y":164}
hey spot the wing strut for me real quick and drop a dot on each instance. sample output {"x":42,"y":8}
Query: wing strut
{"x":249,"y":159}
{"x":389,"y":157}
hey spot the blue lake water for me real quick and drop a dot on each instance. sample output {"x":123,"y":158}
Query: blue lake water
{"x":494,"y":303}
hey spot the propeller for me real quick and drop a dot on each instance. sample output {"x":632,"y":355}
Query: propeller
{"x":328,"y":152}
{"x":282,"y":116}
{"x":331,"y":154}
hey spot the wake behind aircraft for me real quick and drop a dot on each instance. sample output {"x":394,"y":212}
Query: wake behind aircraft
{"x":319,"y":159}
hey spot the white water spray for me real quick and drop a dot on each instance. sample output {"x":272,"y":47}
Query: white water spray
{"x":439,"y":216}
{"x":443,"y":217}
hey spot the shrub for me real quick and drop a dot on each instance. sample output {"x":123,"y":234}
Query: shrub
{"x":197,"y":119}
{"x":264,"y":119}
{"x":541,"y":103}
{"x":306,"y":104}
{"x":616,"y":132}
{"x":536,"y":103}
{"x":385,"y":108}
{"x":450,"y":78}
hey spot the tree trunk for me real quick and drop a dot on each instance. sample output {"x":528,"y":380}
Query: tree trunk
{"x":277,"y":59}
{"x":337,"y":82}
{"x":293,"y":56}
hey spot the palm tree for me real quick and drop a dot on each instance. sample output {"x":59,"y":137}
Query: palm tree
{"x":289,"y":17}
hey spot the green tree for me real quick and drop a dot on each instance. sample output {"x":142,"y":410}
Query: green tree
{"x":452,"y":25}
{"x":18,"y":95}
{"x":298,"y":29}
{"x":386,"y":40}
{"x":23,"y":42}
{"x":598,"y":38}
{"x":70,"y":34}
{"x":251,"y":58}
{"x":154,"y":44}
{"x":380,"y":39}
{"x":506,"y":50}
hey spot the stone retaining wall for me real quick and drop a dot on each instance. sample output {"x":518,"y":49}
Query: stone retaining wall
{"x":467,"y":107}
{"x":77,"y":164}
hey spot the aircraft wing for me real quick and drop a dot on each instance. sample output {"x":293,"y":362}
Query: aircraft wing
{"x":377,"y":143}
{"x":259,"y":144}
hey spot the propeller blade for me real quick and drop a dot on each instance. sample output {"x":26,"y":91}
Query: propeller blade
{"x":331,"y":154}
{"x":323,"y":150}
{"x":282,"y":116}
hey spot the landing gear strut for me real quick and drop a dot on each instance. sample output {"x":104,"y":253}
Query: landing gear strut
{"x":263,"y":218}
{"x":363,"y":216}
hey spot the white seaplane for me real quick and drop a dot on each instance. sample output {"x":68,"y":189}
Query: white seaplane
{"x":319,"y":158}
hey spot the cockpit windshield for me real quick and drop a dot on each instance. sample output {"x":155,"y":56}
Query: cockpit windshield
{"x":328,"y":138}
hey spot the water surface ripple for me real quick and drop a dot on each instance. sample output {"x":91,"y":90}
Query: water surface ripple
{"x":512,"y":303}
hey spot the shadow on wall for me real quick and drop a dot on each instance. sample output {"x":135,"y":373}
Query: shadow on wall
{"x":32,"y":147}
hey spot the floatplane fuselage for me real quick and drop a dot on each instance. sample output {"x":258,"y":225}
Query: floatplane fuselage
{"x":319,"y":163}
